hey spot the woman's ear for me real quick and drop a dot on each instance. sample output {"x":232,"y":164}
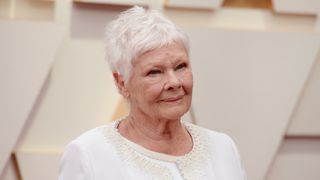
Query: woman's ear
{"x":120,"y":83}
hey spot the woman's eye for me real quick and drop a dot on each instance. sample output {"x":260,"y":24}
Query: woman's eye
{"x":181,"y":66}
{"x":153,"y":72}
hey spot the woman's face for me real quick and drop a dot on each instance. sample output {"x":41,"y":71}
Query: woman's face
{"x":160,"y":85}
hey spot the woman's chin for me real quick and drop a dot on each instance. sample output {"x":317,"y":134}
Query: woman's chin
{"x":174,"y":113}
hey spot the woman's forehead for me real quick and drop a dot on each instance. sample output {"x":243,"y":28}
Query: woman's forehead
{"x":167,"y":59}
{"x":167,"y":54}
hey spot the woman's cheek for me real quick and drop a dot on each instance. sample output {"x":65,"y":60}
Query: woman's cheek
{"x":152,"y":87}
{"x":187,"y":79}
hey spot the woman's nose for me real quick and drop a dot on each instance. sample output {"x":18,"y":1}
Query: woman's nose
{"x":172,"y":81}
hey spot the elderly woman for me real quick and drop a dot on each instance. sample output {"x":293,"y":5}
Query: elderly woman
{"x":149,"y":58}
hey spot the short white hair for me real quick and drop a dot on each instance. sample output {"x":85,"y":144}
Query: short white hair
{"x":135,"y":32}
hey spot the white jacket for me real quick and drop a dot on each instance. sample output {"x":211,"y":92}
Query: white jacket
{"x":103,"y":154}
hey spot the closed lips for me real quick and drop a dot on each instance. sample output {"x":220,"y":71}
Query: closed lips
{"x":171,"y":99}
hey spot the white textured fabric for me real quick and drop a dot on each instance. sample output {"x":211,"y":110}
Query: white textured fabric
{"x":103,"y":154}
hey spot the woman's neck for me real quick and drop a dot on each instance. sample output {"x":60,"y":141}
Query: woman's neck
{"x":160,"y":135}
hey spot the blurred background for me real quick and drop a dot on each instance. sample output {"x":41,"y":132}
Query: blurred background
{"x":256,"y":66}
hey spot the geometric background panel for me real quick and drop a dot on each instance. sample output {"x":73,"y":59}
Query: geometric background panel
{"x":10,"y":171}
{"x":80,"y":95}
{"x":27,"y":51}
{"x":4,"y":9}
{"x":305,"y":120}
{"x":297,"y":159}
{"x":204,"y":4}
{"x":261,"y":93}
{"x":115,"y":2}
{"x":38,"y":165}
{"x":81,"y":24}
{"x":311,"y":7}
{"x":247,"y":84}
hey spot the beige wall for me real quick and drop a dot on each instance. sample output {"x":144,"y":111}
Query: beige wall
{"x":264,"y":68}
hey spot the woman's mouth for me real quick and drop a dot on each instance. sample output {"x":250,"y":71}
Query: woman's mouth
{"x":173,"y":99}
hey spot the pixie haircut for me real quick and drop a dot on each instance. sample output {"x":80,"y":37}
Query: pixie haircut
{"x":135,"y":32}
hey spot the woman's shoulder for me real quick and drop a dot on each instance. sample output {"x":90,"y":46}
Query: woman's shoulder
{"x":221,"y":149}
{"x":95,"y":137}
{"x":94,"y":144}
{"x":90,"y":153}
{"x":218,"y":142}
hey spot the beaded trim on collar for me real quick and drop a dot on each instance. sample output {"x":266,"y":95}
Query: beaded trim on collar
{"x":191,"y":165}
